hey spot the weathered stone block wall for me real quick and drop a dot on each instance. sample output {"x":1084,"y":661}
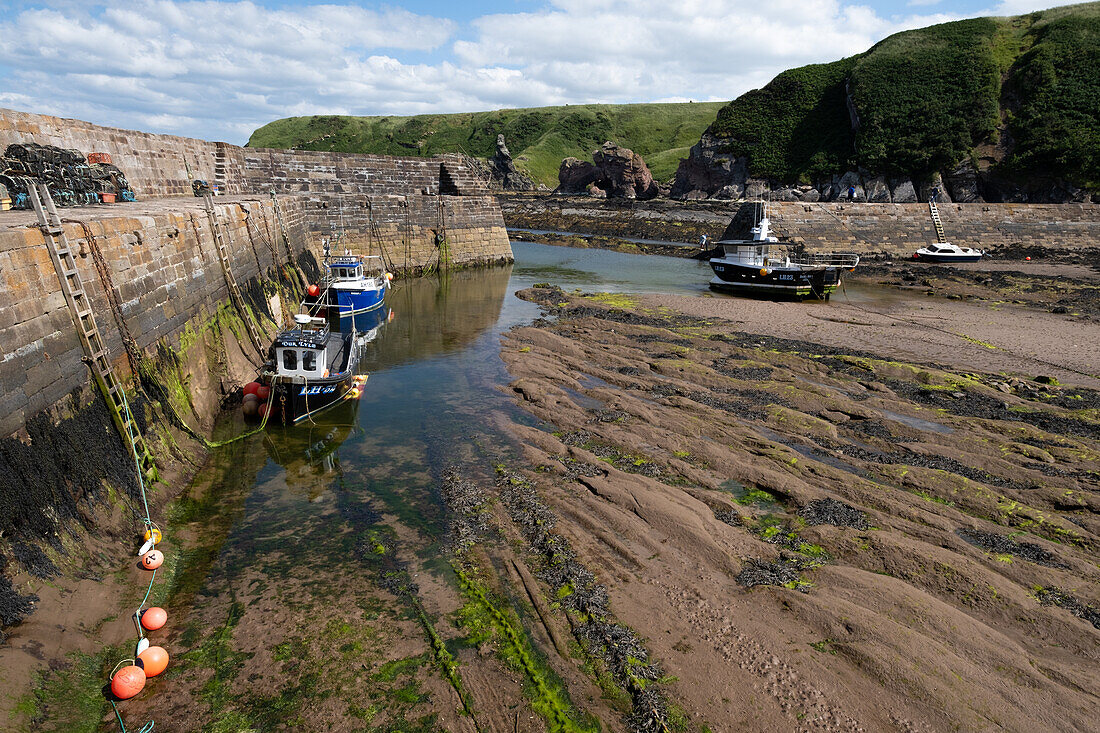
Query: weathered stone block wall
{"x":166,"y":271}
{"x":404,"y":228}
{"x":303,"y":171}
{"x":155,"y":165}
{"x":398,"y":205}
{"x":901,"y":229}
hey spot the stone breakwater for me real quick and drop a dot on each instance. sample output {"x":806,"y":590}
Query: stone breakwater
{"x":162,"y":263}
{"x":413,"y":207}
{"x":869,"y":229}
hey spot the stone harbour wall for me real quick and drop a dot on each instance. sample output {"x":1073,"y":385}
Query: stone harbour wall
{"x":157,"y":167}
{"x":398,"y":207}
{"x":901,"y":229}
{"x":162,"y":263}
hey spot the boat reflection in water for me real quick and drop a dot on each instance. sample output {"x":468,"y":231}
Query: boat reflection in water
{"x":438,"y":315}
{"x":308,"y":451}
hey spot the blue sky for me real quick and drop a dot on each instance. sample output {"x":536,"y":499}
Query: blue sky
{"x":217,"y":69}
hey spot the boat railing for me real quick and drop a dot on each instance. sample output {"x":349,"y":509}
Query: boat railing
{"x":827,"y":259}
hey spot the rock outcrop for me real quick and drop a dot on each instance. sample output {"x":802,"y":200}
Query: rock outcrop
{"x":616,"y":172}
{"x":710,"y":172}
{"x":504,"y":171}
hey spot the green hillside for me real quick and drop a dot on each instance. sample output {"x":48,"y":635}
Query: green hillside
{"x":1020,"y":96}
{"x":538,"y":138}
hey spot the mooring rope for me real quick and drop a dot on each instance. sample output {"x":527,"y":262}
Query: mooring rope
{"x":151,"y":528}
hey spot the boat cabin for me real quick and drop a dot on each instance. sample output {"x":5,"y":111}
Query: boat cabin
{"x":751,"y":254}
{"x":345,"y":268}
{"x":301,"y":354}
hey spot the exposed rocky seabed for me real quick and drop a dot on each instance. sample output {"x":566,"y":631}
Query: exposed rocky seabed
{"x":701,"y":513}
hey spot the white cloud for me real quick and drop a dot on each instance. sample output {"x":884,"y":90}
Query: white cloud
{"x":220,"y":69}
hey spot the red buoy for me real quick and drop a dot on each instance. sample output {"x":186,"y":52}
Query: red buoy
{"x":152,"y":559}
{"x":263,"y":392}
{"x":1028,"y":259}
{"x":251,"y":388}
{"x":313,"y":291}
{"x":261,"y":411}
{"x":153,"y":660}
{"x":154,"y":618}
{"x":128,"y":682}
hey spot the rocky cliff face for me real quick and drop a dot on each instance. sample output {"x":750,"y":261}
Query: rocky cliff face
{"x":709,"y":172}
{"x":615,"y":172}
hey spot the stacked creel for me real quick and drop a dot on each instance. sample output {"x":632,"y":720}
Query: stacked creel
{"x":72,"y":179}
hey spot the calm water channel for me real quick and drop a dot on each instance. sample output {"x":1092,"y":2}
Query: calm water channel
{"x":435,"y":378}
{"x":431,"y":401}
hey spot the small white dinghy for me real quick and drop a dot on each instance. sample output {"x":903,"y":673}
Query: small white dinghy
{"x":947,"y":252}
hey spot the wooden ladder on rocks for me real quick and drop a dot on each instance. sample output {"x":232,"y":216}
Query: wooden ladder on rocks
{"x":230,"y":279}
{"x":935,"y":212}
{"x":95,"y":351}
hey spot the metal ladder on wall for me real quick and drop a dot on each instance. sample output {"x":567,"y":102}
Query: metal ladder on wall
{"x":72,"y":286}
{"x":935,"y":212}
{"x":282,"y":222}
{"x":231,"y":281}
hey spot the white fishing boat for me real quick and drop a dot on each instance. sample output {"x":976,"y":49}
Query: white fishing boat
{"x":946,"y":252}
{"x":764,"y":266}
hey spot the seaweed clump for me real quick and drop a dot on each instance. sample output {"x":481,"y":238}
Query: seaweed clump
{"x":13,"y":606}
{"x":783,"y":573}
{"x":834,"y":512}
{"x":1002,"y":545}
{"x":617,"y":646}
{"x":1073,"y":604}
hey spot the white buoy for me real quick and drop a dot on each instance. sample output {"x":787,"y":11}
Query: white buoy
{"x":149,"y":544}
{"x":142,"y":645}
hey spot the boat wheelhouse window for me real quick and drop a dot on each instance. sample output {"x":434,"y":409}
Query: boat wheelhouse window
{"x":290,"y":359}
{"x":309,"y":361}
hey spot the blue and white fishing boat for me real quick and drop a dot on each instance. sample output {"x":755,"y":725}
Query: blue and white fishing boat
{"x":752,"y":267}
{"x":354,"y":284}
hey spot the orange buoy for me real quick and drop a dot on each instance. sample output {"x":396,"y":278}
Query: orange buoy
{"x":1028,"y":259}
{"x":128,"y":682}
{"x":353,"y":393}
{"x":389,"y":277}
{"x":263,"y":392}
{"x":313,"y":291}
{"x":154,"y":618}
{"x":152,"y":559}
{"x":153,"y":660}
{"x":153,"y":534}
{"x":251,"y":388}
{"x":763,"y":272}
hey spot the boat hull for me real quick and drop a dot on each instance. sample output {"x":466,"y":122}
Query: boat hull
{"x":946,"y":259}
{"x":354,"y":302}
{"x":780,"y":282}
{"x":293,"y":402}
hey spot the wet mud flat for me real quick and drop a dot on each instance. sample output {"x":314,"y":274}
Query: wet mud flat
{"x":809,"y":536}
{"x":1066,"y":285}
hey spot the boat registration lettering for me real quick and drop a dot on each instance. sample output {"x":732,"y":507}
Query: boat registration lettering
{"x":319,"y":389}
{"x":784,"y":277}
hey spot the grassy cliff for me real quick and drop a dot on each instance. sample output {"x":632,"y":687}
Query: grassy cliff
{"x":538,"y":138}
{"x":1020,"y":95}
